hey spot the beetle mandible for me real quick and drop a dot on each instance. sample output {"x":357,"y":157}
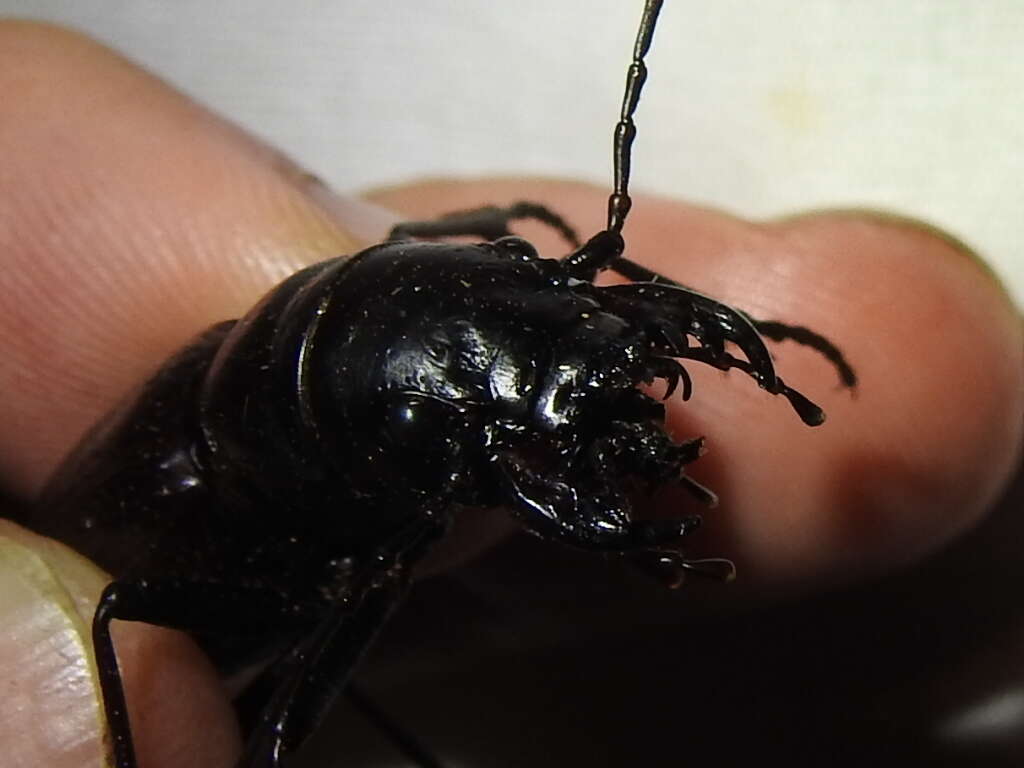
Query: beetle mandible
{"x":278,"y":479}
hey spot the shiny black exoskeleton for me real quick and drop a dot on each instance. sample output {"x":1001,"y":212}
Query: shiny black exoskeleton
{"x":272,"y":486}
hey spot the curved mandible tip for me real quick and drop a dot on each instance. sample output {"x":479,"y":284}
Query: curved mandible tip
{"x":709,"y":321}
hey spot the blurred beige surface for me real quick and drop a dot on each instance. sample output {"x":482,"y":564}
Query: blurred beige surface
{"x":760,"y":108}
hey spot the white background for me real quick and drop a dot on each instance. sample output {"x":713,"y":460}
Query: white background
{"x":758,"y":107}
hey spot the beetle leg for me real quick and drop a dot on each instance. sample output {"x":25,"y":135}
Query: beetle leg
{"x":311,"y":675}
{"x":187,"y":606}
{"x":776,"y":331}
{"x":639,"y":273}
{"x":406,"y":743}
{"x":489,"y":222}
{"x":110,"y":680}
{"x":308,"y":678}
{"x":317,"y":670}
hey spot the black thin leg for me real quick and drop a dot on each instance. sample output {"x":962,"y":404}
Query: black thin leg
{"x":777,"y":331}
{"x":122,"y":748}
{"x":640,"y":274}
{"x":404,"y":741}
{"x":317,"y":671}
{"x":185,"y":605}
{"x":488,"y":222}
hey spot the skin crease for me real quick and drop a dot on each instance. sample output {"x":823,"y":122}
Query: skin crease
{"x":131,"y":219}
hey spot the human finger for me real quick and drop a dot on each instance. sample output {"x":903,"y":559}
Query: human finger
{"x":130,"y":220}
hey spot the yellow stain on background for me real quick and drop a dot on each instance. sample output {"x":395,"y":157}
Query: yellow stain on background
{"x":795,"y":108}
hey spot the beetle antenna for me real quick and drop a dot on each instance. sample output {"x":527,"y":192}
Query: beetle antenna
{"x":625,"y":130}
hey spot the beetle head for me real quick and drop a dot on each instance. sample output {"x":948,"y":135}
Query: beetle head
{"x":494,"y":378}
{"x":467,"y":373}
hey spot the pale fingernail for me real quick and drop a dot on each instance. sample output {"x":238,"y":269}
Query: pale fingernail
{"x":893,"y":219}
{"x":365,"y":221}
{"x":50,"y":713}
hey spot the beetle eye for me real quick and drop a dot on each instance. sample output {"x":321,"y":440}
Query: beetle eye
{"x":415,"y":421}
{"x":408,"y":416}
{"x":428,"y":436}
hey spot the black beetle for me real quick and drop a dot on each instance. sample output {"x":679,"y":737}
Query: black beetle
{"x":276,"y":481}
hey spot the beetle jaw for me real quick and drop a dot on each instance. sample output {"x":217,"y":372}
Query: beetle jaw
{"x":595,"y":441}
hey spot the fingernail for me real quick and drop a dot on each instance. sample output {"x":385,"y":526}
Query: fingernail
{"x":366,"y":221}
{"x":50,"y":713}
{"x":893,"y":219}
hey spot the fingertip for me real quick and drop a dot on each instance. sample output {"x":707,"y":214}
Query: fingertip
{"x":179,"y":709}
{"x":132,"y":219}
{"x":934,"y":433}
{"x":51,"y":712}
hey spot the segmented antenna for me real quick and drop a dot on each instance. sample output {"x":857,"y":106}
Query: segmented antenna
{"x":625,"y":130}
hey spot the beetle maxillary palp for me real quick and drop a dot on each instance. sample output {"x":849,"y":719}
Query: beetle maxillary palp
{"x":671,"y":568}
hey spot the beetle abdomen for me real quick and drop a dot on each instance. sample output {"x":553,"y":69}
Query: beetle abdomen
{"x":134,"y":473}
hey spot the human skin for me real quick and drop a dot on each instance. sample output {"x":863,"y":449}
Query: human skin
{"x":131,"y":219}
